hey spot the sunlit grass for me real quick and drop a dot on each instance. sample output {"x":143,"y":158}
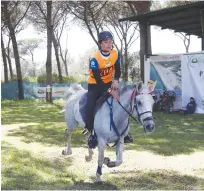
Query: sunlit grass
{"x":22,"y":170}
{"x":42,"y":123}
{"x":174,"y":134}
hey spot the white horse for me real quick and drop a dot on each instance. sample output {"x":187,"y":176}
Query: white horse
{"x":134,"y":99}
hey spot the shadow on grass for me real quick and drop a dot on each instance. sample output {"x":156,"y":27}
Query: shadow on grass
{"x":174,"y":134}
{"x":31,"y":113}
{"x":81,"y":185}
{"x":23,"y":171}
{"x":50,"y":134}
{"x":155,"y":179}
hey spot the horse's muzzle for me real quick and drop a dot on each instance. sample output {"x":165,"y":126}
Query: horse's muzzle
{"x":149,"y":127}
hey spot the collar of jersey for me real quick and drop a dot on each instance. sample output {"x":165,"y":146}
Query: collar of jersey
{"x":105,"y":55}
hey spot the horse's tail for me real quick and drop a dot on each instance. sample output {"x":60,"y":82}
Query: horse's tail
{"x":75,"y":87}
{"x":72,"y":89}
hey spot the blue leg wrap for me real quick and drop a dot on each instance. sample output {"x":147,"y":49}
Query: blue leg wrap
{"x":99,"y":170}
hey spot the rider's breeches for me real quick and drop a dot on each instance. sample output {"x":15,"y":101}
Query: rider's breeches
{"x":94,"y":92}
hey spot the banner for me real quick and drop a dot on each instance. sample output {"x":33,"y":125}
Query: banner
{"x":193,"y":80}
{"x":166,"y":69}
{"x":57,"y":92}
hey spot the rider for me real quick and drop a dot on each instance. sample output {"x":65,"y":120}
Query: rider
{"x":102,"y":66}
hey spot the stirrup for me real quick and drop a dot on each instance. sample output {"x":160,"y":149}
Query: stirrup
{"x":85,"y":132}
{"x":92,"y":141}
{"x":128,"y":139}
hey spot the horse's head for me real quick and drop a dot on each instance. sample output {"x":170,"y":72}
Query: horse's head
{"x":143,"y":103}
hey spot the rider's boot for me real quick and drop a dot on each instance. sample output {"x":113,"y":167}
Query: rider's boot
{"x":90,"y":137}
{"x":128,"y":139}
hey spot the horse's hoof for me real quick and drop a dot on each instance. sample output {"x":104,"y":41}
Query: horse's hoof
{"x":88,"y":158}
{"x":64,"y":152}
{"x":99,"y":182}
{"x":106,"y":160}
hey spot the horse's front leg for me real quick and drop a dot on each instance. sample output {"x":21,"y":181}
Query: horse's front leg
{"x":68,"y":150}
{"x":101,"y":148}
{"x":119,"y":155}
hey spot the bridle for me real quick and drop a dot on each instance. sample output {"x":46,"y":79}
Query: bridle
{"x":135,"y":106}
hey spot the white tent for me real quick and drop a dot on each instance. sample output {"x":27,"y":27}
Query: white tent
{"x":181,"y":73}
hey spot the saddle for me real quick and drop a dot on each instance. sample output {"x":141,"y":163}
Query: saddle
{"x":83,"y":104}
{"x":99,"y":103}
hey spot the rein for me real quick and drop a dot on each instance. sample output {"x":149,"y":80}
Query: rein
{"x":133,"y":95}
{"x":112,"y":124}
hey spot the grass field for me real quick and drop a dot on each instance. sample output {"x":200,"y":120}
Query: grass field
{"x":33,"y":137}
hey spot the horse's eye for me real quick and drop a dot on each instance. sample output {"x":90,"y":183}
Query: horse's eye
{"x":139,"y":103}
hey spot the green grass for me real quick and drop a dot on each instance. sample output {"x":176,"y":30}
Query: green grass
{"x":41,"y":123}
{"x":22,"y":170}
{"x":174,"y":134}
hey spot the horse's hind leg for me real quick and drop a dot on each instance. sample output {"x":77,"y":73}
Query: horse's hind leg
{"x":68,"y":150}
{"x":119,"y":156}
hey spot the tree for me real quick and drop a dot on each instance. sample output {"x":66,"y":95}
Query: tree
{"x":27,"y":47}
{"x":91,"y":15}
{"x":38,"y":16}
{"x":139,"y":7}
{"x":58,"y":31}
{"x":185,"y":38}
{"x":134,"y":66}
{"x":125,"y":31}
{"x":4,"y":59}
{"x":13,"y":14}
{"x":8,"y":50}
{"x":84,"y":61}
{"x":49,"y":49}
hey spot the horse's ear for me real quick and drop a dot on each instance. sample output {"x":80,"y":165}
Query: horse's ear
{"x":139,"y":86}
{"x":152,"y":87}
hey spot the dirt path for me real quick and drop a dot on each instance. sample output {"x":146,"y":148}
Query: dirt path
{"x":192,"y":164}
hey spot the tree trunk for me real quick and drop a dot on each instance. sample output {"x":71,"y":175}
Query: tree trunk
{"x":64,"y":59}
{"x":145,"y":32}
{"x":126,"y":60}
{"x":56,"y":48}
{"x":49,"y":51}
{"x":66,"y":68}
{"x":15,"y":51}
{"x":10,"y":64}
{"x":122,"y":64}
{"x":33,"y":63}
{"x":143,"y":48}
{"x":18,"y":65}
{"x":9,"y":59}
{"x":4,"y":60}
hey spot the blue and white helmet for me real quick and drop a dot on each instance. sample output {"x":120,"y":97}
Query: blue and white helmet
{"x":104,"y":35}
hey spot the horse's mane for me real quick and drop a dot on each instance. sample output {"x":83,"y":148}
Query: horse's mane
{"x":126,"y":88}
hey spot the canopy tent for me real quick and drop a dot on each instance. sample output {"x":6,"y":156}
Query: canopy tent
{"x":187,"y":18}
{"x":188,"y":69}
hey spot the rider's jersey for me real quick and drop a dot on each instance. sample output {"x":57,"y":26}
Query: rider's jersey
{"x":105,"y":64}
